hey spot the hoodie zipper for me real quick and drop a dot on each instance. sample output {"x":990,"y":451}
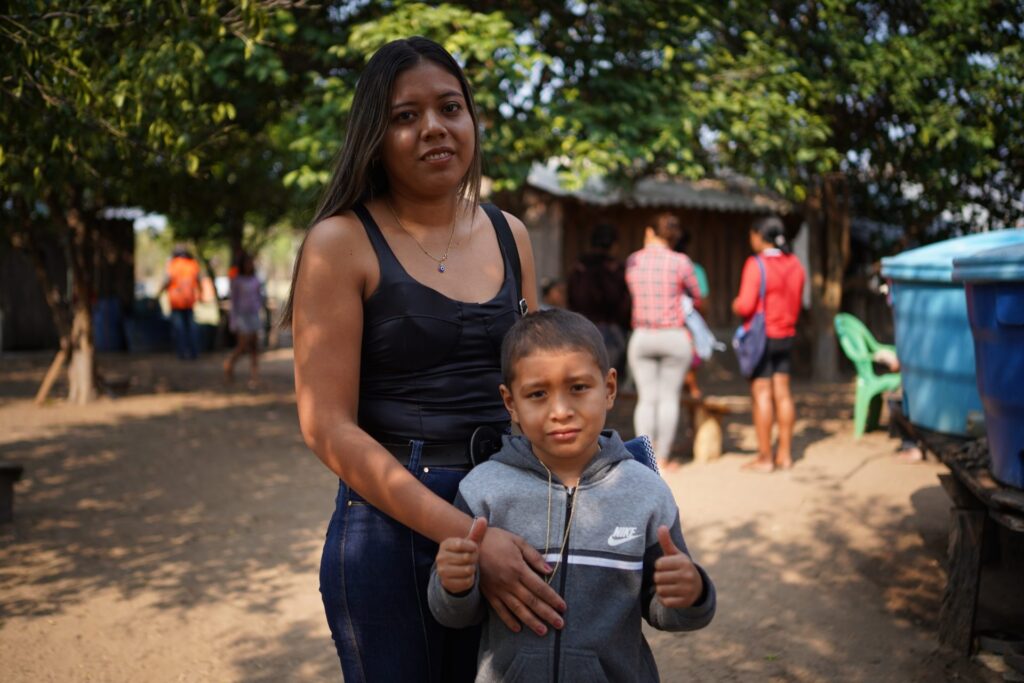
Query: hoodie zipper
{"x":564,"y":563}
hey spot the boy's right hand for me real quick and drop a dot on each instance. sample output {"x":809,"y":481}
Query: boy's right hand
{"x":457,"y":558}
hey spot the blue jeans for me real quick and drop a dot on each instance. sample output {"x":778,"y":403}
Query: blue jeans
{"x":185,"y":333}
{"x":373,"y":579}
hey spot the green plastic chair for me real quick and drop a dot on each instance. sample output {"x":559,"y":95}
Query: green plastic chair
{"x":860,"y":346}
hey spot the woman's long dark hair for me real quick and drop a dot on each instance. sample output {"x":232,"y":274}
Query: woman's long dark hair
{"x":773,"y":232}
{"x":359,"y":174}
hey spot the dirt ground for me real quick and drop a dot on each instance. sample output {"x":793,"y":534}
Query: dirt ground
{"x":174,"y":533}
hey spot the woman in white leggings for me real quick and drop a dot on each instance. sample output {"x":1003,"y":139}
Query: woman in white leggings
{"x":660,"y":349}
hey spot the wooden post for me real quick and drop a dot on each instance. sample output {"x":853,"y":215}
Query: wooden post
{"x":828,"y":221}
{"x":960,"y":600}
{"x":707,"y":434}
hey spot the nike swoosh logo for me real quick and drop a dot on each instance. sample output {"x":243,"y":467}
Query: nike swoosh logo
{"x":612,"y":541}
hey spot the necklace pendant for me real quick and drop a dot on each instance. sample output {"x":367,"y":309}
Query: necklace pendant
{"x":440,"y":267}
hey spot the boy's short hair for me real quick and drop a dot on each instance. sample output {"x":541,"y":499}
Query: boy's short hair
{"x":551,"y":330}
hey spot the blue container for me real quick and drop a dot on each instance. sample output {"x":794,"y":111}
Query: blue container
{"x":994,"y":282}
{"x":933,"y":335}
{"x":147,"y":330}
{"x":108,"y":325}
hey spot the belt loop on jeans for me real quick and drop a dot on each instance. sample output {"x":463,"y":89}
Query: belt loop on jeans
{"x":415,"y":454}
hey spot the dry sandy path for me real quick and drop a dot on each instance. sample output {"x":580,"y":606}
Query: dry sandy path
{"x":174,"y":535}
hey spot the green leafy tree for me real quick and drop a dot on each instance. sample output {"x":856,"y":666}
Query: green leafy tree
{"x":101,"y":100}
{"x":922,"y":106}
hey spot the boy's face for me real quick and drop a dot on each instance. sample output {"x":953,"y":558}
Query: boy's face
{"x":560,"y":399}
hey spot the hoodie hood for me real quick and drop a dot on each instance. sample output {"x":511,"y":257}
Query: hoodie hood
{"x":516,"y":451}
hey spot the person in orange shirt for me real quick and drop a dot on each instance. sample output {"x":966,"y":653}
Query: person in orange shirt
{"x":183,"y":289}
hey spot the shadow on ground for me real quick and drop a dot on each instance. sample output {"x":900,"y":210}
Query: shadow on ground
{"x":223,"y":503}
{"x":189,"y":508}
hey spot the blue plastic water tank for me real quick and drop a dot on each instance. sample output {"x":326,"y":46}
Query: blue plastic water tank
{"x":994,"y":282}
{"x":933,"y":335}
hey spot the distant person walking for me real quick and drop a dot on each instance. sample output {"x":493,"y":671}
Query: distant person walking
{"x":183,"y":289}
{"x":597,"y":290}
{"x":247,"y":301}
{"x":660,"y":349}
{"x":769,"y":384}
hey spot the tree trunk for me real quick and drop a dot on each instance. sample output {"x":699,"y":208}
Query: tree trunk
{"x":828,"y":210}
{"x":26,"y":239}
{"x":235,"y":228}
{"x":82,"y":367}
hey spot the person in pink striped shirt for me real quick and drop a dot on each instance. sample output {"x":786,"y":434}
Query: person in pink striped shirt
{"x":660,"y":348}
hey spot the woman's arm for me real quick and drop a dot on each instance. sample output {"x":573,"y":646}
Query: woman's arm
{"x":338,"y":270}
{"x":745,"y":302}
{"x":691,"y":285}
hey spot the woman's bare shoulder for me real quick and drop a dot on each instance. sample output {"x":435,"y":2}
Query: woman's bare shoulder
{"x":519,"y":230}
{"x":337,"y":235}
{"x":337,"y":250}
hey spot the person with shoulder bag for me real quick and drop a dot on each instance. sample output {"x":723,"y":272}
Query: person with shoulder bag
{"x":769,"y":301}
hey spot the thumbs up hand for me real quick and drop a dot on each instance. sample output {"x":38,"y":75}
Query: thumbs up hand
{"x":457,"y":558}
{"x":676,"y":581}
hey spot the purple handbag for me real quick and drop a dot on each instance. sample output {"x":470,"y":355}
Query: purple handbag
{"x":750,"y":343}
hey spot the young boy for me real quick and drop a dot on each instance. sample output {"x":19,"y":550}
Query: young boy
{"x":606,"y":524}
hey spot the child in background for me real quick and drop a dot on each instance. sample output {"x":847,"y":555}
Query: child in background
{"x":246,"y":303}
{"x":606,"y":524}
{"x":552,"y":294}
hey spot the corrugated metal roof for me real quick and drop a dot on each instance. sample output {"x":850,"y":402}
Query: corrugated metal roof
{"x":712,"y":195}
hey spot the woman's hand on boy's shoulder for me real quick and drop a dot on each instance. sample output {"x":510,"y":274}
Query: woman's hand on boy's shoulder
{"x":677,"y":582}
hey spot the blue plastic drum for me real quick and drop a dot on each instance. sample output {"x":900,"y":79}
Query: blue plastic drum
{"x":933,"y":335}
{"x":994,"y":282}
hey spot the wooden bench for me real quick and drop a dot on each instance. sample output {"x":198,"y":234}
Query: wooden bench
{"x":9,"y":473}
{"x":707,"y":415}
{"x":976,"y":497}
{"x":978,"y":501}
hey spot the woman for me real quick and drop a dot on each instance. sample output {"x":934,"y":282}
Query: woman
{"x":246,"y":304}
{"x":402,"y":293}
{"x":769,"y":385}
{"x":660,"y":349}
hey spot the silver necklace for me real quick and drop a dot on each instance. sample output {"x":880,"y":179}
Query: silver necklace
{"x":568,"y":525}
{"x":444,"y":257}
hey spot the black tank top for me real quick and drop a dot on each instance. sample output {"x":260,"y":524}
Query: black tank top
{"x":430,"y":365}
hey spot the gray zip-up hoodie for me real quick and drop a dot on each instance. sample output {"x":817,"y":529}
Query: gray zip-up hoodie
{"x":605,"y":575}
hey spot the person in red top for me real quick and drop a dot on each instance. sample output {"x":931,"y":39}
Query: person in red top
{"x":769,"y":385}
{"x":660,"y":349}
